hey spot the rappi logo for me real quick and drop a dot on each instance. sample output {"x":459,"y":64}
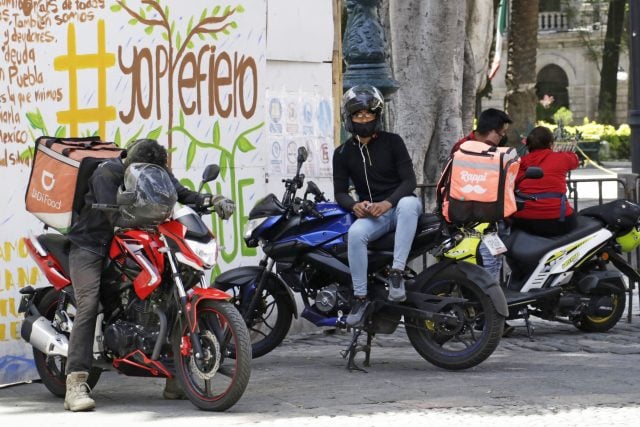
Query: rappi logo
{"x":48,"y":181}
{"x":473,"y":178}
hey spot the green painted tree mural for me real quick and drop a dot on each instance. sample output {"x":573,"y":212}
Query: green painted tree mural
{"x":214,"y":23}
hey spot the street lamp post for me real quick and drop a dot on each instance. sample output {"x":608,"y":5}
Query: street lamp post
{"x":363,"y":48}
{"x":634,"y":111}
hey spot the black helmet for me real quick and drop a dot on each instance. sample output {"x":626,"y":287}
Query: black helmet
{"x":148,"y":195}
{"x":362,"y":97}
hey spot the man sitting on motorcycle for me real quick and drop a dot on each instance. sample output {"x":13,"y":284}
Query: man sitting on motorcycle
{"x":381,"y":170}
{"x":546,"y":209}
{"x":90,"y":236}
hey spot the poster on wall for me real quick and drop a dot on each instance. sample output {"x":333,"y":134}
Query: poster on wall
{"x":189,"y":74}
{"x":299,"y":119}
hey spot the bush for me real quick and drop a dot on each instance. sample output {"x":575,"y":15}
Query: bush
{"x":618,"y":140}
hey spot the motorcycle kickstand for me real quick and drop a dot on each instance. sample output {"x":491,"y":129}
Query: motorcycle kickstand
{"x":354,"y":348}
{"x":527,"y":322}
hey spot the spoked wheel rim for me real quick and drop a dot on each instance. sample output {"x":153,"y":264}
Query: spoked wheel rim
{"x":265,"y":314}
{"x":215,"y":377}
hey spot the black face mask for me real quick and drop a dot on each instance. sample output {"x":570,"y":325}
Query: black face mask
{"x":365,"y":129}
{"x":503,"y":142}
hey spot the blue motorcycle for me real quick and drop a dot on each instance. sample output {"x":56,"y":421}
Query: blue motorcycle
{"x":453,"y":315}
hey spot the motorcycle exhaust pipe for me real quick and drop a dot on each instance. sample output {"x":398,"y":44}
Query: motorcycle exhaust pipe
{"x":37,"y":331}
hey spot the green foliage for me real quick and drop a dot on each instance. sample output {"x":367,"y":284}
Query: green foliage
{"x":563,"y":115}
{"x":618,"y":141}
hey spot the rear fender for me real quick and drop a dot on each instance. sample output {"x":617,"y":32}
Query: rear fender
{"x":602,"y":281}
{"x":247,"y":276}
{"x":474,"y":274}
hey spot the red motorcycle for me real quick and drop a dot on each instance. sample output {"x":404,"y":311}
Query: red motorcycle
{"x":158,"y":316}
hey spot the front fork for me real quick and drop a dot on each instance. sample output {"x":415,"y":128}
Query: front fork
{"x":186,"y":307}
{"x":267,"y":264}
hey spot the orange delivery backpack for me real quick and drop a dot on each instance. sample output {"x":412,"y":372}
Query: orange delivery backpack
{"x":60,"y":174}
{"x":478,"y":183}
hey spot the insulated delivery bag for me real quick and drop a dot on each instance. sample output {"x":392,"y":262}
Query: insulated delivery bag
{"x":60,"y":175}
{"x":478,"y":183}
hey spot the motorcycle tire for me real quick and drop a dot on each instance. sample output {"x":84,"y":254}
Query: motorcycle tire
{"x":216,"y":382}
{"x":52,"y":369}
{"x":593,"y":323}
{"x":475,"y":337}
{"x":266,"y":333}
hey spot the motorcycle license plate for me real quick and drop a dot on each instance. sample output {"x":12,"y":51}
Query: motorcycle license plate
{"x":494,"y":244}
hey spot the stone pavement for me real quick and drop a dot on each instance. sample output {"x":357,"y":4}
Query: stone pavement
{"x":563,"y":377}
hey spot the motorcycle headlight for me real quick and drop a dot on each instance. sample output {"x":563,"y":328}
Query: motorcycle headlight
{"x":207,"y":252}
{"x":251,"y":226}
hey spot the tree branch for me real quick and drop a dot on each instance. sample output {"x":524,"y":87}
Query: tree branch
{"x":150,"y":22}
{"x":201,"y":29}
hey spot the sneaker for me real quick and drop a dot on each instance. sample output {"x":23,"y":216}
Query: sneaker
{"x":396,"y":286}
{"x":356,"y":317}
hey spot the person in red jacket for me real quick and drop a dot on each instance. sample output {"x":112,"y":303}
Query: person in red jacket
{"x":548,"y":213}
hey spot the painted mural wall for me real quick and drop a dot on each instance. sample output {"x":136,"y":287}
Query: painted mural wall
{"x":192,"y":74}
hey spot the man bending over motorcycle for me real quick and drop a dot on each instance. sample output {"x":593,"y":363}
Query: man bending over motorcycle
{"x":381,"y":170}
{"x":90,"y":236}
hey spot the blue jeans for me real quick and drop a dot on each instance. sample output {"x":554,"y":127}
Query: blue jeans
{"x":493,"y":264}
{"x":365,"y":230}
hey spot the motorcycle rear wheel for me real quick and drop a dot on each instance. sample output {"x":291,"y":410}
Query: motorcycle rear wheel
{"x":216,"y":382}
{"x":478,"y":332}
{"x":592,"y":323}
{"x":52,"y":369}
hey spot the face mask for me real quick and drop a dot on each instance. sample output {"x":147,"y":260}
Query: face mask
{"x":365,"y":129}
{"x":503,"y":142}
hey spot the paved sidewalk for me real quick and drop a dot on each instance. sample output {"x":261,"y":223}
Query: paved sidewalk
{"x":562,"y":377}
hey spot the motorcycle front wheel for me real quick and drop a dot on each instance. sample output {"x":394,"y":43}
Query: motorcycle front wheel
{"x":52,"y":368}
{"x":270,"y":319}
{"x":471,"y":340}
{"x":215,"y":381}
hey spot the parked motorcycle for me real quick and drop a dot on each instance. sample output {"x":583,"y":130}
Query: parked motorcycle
{"x":453,"y":315}
{"x":577,"y":278}
{"x":158,"y":318}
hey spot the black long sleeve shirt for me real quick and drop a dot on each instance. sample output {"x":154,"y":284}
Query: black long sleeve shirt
{"x":380,"y":170}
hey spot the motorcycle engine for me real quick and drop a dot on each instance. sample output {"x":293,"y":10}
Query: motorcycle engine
{"x":331,"y":297}
{"x":122,"y":337}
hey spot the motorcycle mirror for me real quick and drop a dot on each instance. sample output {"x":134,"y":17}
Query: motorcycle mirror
{"x":302,"y":154}
{"x":210,"y":173}
{"x":312,"y":188}
{"x":533,"y":172}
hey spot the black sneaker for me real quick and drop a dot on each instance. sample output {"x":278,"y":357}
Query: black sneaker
{"x":396,"y":286}
{"x":356,"y":317}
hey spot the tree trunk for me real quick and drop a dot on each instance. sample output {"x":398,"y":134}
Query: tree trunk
{"x":610,"y":60}
{"x":520,"y":101}
{"x":434,"y":62}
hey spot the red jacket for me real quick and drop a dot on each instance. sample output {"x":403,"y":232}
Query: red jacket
{"x":555,"y":166}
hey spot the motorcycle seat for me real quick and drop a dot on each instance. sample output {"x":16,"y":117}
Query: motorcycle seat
{"x":526,"y":249}
{"x":426,"y":221}
{"x":59,"y":247}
